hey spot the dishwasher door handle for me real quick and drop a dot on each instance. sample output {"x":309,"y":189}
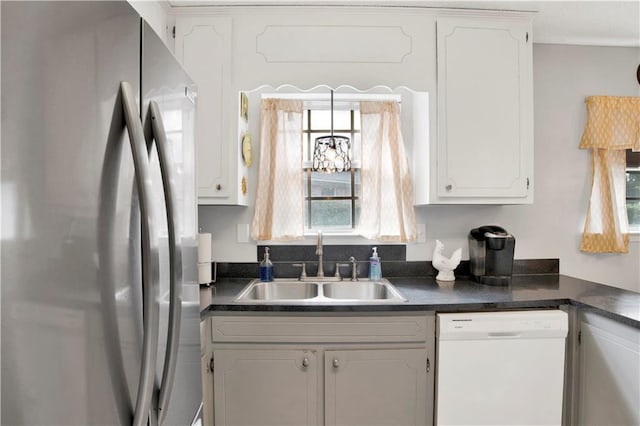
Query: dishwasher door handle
{"x":503,"y":334}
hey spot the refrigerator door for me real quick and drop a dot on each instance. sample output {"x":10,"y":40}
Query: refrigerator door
{"x":71,"y":238}
{"x":167,"y":85}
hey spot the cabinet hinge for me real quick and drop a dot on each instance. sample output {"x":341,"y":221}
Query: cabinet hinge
{"x":173,"y":32}
{"x":428,"y":365}
{"x":211,"y":365}
{"x":526,"y":38}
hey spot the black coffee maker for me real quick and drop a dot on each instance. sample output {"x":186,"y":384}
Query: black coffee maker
{"x":491,"y":255}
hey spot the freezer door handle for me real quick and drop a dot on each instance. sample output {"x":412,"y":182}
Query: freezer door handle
{"x":175,"y":261}
{"x":150,"y":260}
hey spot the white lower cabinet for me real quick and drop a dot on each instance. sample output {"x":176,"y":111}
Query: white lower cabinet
{"x":317,"y":370}
{"x":206,"y":371}
{"x":375,"y":387}
{"x":265,"y":387}
{"x":609,"y":372}
{"x":207,"y":389}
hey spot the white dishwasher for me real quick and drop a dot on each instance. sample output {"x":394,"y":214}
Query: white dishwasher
{"x":500,"y":368}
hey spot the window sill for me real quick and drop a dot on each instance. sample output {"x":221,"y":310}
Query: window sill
{"x":634,"y":237}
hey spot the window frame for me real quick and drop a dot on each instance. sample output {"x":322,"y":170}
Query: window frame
{"x":632,"y":166}
{"x":308,"y":133}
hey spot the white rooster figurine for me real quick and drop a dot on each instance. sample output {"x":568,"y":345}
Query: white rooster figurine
{"x":444,"y":265}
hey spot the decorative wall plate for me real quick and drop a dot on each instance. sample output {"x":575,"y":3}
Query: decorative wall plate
{"x":244,"y":106}
{"x":247,"y":150}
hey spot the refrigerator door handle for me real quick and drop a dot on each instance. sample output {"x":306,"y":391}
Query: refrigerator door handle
{"x":175,"y":262}
{"x":150,"y":260}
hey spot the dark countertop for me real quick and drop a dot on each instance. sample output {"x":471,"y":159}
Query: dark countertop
{"x":426,"y":294}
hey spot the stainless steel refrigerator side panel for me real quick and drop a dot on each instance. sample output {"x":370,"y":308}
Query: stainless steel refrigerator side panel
{"x":63,"y":140}
{"x":166,"y":84}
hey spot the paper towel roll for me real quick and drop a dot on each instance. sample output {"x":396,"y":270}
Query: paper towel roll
{"x":204,"y":273}
{"x":204,"y":248}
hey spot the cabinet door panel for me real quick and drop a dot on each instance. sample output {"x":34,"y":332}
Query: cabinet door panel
{"x":484,"y":107}
{"x":375,"y":387}
{"x":265,"y":387}
{"x":203,"y":45}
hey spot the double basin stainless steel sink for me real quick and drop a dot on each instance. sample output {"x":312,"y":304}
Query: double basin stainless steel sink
{"x":320,"y":291}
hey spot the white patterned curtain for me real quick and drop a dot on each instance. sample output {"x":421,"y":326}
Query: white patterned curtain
{"x":387,"y":194}
{"x":279,"y":213}
{"x":613,"y":126}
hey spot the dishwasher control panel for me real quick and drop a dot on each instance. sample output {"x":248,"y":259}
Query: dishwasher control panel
{"x":507,"y":324}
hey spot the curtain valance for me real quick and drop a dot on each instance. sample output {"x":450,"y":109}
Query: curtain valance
{"x":613,"y":122}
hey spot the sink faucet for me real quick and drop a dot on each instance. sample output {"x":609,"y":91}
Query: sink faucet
{"x":354,"y":268}
{"x":319,"y":253}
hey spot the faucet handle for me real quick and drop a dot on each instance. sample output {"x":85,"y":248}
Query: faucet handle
{"x":354,"y":268}
{"x":338,"y":265}
{"x":303,"y":274}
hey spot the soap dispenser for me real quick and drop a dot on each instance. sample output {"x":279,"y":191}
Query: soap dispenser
{"x":375,"y":268}
{"x":266,"y":267}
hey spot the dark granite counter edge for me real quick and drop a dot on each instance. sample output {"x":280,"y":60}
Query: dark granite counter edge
{"x":597,"y":292}
{"x":444,"y":308}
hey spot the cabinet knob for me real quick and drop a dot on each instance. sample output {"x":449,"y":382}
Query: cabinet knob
{"x":218,"y":187}
{"x":305,"y":362}
{"x":336,"y":364}
{"x":448,"y":187}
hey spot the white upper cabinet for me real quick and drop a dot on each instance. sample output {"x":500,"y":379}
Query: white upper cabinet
{"x":203,"y":45}
{"x":484,"y":149}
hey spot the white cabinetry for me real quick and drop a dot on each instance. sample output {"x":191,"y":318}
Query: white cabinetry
{"x":609,"y":372}
{"x":203,"y":45}
{"x":375,"y":387}
{"x":265,"y":387}
{"x":206,"y":366}
{"x":485,"y":136}
{"x":323,"y":370}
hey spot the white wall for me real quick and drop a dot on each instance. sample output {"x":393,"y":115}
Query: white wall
{"x":563,"y":76}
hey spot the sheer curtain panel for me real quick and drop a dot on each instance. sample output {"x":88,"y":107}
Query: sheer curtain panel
{"x":279,"y":213}
{"x":387,"y":193}
{"x":613,"y":126}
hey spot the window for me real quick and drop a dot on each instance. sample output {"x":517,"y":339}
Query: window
{"x":331,"y":200}
{"x":292,"y":200}
{"x":633,"y":190}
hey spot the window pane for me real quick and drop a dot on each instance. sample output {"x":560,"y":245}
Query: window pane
{"x":633,"y":184}
{"x":306,"y":153}
{"x":330,"y":184}
{"x":356,"y":120}
{"x":341,"y":120}
{"x":633,"y":205}
{"x":321,"y":120}
{"x":356,"y":148}
{"x":633,"y":212}
{"x":331,"y":214}
{"x":306,"y":184}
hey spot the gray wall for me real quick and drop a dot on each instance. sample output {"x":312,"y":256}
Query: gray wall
{"x":551,"y":227}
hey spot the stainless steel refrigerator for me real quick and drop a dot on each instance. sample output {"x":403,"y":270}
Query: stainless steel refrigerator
{"x":99,"y":293}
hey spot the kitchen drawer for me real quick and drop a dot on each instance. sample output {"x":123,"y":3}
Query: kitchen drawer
{"x":320,"y":329}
